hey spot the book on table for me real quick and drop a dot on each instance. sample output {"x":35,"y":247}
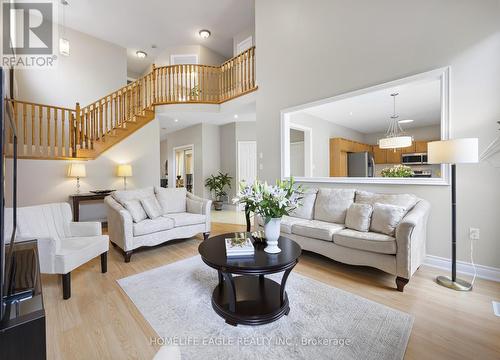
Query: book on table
{"x":238,"y":246}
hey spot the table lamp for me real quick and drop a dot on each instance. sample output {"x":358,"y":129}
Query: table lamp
{"x":125,"y":171}
{"x":454,"y":151}
{"x":77,"y":170}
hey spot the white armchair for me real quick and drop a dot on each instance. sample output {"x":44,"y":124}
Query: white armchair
{"x":63,"y":245}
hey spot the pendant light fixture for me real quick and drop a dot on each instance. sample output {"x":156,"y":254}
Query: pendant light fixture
{"x":395,"y":137}
{"x":63,"y":42}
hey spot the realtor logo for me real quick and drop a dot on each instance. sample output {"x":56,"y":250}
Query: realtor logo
{"x":28,"y":32}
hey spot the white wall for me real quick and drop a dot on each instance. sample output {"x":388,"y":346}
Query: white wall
{"x":94,"y":69}
{"x":349,"y":45}
{"x":211,"y":153}
{"x":322,"y":131}
{"x":205,"y":55}
{"x":45,"y":181}
{"x":243,"y":35}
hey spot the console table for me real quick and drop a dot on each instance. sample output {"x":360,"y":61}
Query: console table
{"x":76,"y":199}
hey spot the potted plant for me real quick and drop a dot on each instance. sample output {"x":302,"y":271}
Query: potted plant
{"x":271,"y":203}
{"x":400,"y":171}
{"x":217,"y":184}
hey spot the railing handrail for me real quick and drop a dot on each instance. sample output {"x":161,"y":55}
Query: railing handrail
{"x":61,"y":131}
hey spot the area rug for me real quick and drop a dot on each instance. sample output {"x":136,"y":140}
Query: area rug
{"x":324,"y":322}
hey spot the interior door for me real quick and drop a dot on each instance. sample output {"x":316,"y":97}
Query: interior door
{"x":247,"y":162}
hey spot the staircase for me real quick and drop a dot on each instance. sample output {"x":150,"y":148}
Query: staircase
{"x":52,"y":132}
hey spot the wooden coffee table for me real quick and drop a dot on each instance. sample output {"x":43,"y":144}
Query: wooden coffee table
{"x":250,"y":299}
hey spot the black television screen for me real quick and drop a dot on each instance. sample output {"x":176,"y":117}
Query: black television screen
{"x":5,"y":121}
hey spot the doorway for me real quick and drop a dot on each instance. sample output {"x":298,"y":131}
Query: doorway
{"x":184,"y":167}
{"x":247,"y":163}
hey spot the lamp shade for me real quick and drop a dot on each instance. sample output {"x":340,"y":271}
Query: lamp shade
{"x":454,"y":151}
{"x":124,"y":170}
{"x":77,"y":170}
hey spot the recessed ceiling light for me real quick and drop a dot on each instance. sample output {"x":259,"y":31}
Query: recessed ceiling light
{"x":204,"y":34}
{"x":406,"y":121}
{"x":350,"y":113}
{"x":176,"y":120}
{"x":141,"y":54}
{"x":235,"y":116}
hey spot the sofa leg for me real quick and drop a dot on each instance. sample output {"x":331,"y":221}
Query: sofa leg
{"x":66,"y":282}
{"x":127,"y":255}
{"x":104,"y":262}
{"x":401,"y":282}
{"x":206,"y":235}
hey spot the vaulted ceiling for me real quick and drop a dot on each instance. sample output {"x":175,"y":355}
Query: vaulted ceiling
{"x":139,"y":24}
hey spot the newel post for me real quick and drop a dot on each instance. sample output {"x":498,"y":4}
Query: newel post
{"x":154,"y":84}
{"x":74,"y":131}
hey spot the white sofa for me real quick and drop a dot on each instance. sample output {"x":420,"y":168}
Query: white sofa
{"x":182,"y":215}
{"x":396,"y":246}
{"x":63,"y":245}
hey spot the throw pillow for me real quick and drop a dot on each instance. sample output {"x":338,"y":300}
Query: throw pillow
{"x":358,"y":217}
{"x":193,"y":206}
{"x":306,"y":210}
{"x":135,"y":209}
{"x":386,"y":217}
{"x":152,"y":207}
{"x":172,"y":200}
{"x":332,"y":204}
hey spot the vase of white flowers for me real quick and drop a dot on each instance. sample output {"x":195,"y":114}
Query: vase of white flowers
{"x":271,"y":202}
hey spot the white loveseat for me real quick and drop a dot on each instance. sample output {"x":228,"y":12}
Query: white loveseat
{"x":392,"y":240}
{"x":181,"y":215}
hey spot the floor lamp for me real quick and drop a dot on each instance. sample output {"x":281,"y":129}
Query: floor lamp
{"x":455,"y":151}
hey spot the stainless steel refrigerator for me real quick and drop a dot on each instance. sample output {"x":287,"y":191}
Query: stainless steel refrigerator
{"x":360,"y":164}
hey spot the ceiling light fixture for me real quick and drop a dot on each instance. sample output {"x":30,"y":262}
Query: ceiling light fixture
{"x":235,"y":116}
{"x":395,"y":137}
{"x":176,"y":120}
{"x":141,"y":54}
{"x":204,"y":34}
{"x":63,"y":42}
{"x":407,"y":121}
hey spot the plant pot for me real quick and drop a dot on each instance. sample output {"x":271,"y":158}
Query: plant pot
{"x":218,"y":205}
{"x":272,"y":232}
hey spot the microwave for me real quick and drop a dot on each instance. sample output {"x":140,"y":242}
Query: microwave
{"x":414,"y":159}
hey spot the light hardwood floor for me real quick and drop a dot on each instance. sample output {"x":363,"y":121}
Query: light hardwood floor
{"x":100,"y":322}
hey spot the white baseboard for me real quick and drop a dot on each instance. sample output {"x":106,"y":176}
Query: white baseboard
{"x":463,"y":267}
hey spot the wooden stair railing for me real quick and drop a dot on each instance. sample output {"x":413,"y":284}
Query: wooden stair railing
{"x":52,"y":132}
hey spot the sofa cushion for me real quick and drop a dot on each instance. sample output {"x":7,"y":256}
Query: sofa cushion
{"x":124,"y":195}
{"x":367,"y":241}
{"x":172,"y":200}
{"x":184,"y":219}
{"x":406,"y":201}
{"x":332,"y":204}
{"x":316,"y":229}
{"x":135,"y":209}
{"x":286,"y":223}
{"x":150,"y":226}
{"x":151,"y":207}
{"x":358,"y":217}
{"x":306,"y":210}
{"x":386,"y":217}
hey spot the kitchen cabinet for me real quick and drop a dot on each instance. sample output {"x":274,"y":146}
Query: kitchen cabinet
{"x":420,"y":146}
{"x":393,"y":156}
{"x":380,"y":155}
